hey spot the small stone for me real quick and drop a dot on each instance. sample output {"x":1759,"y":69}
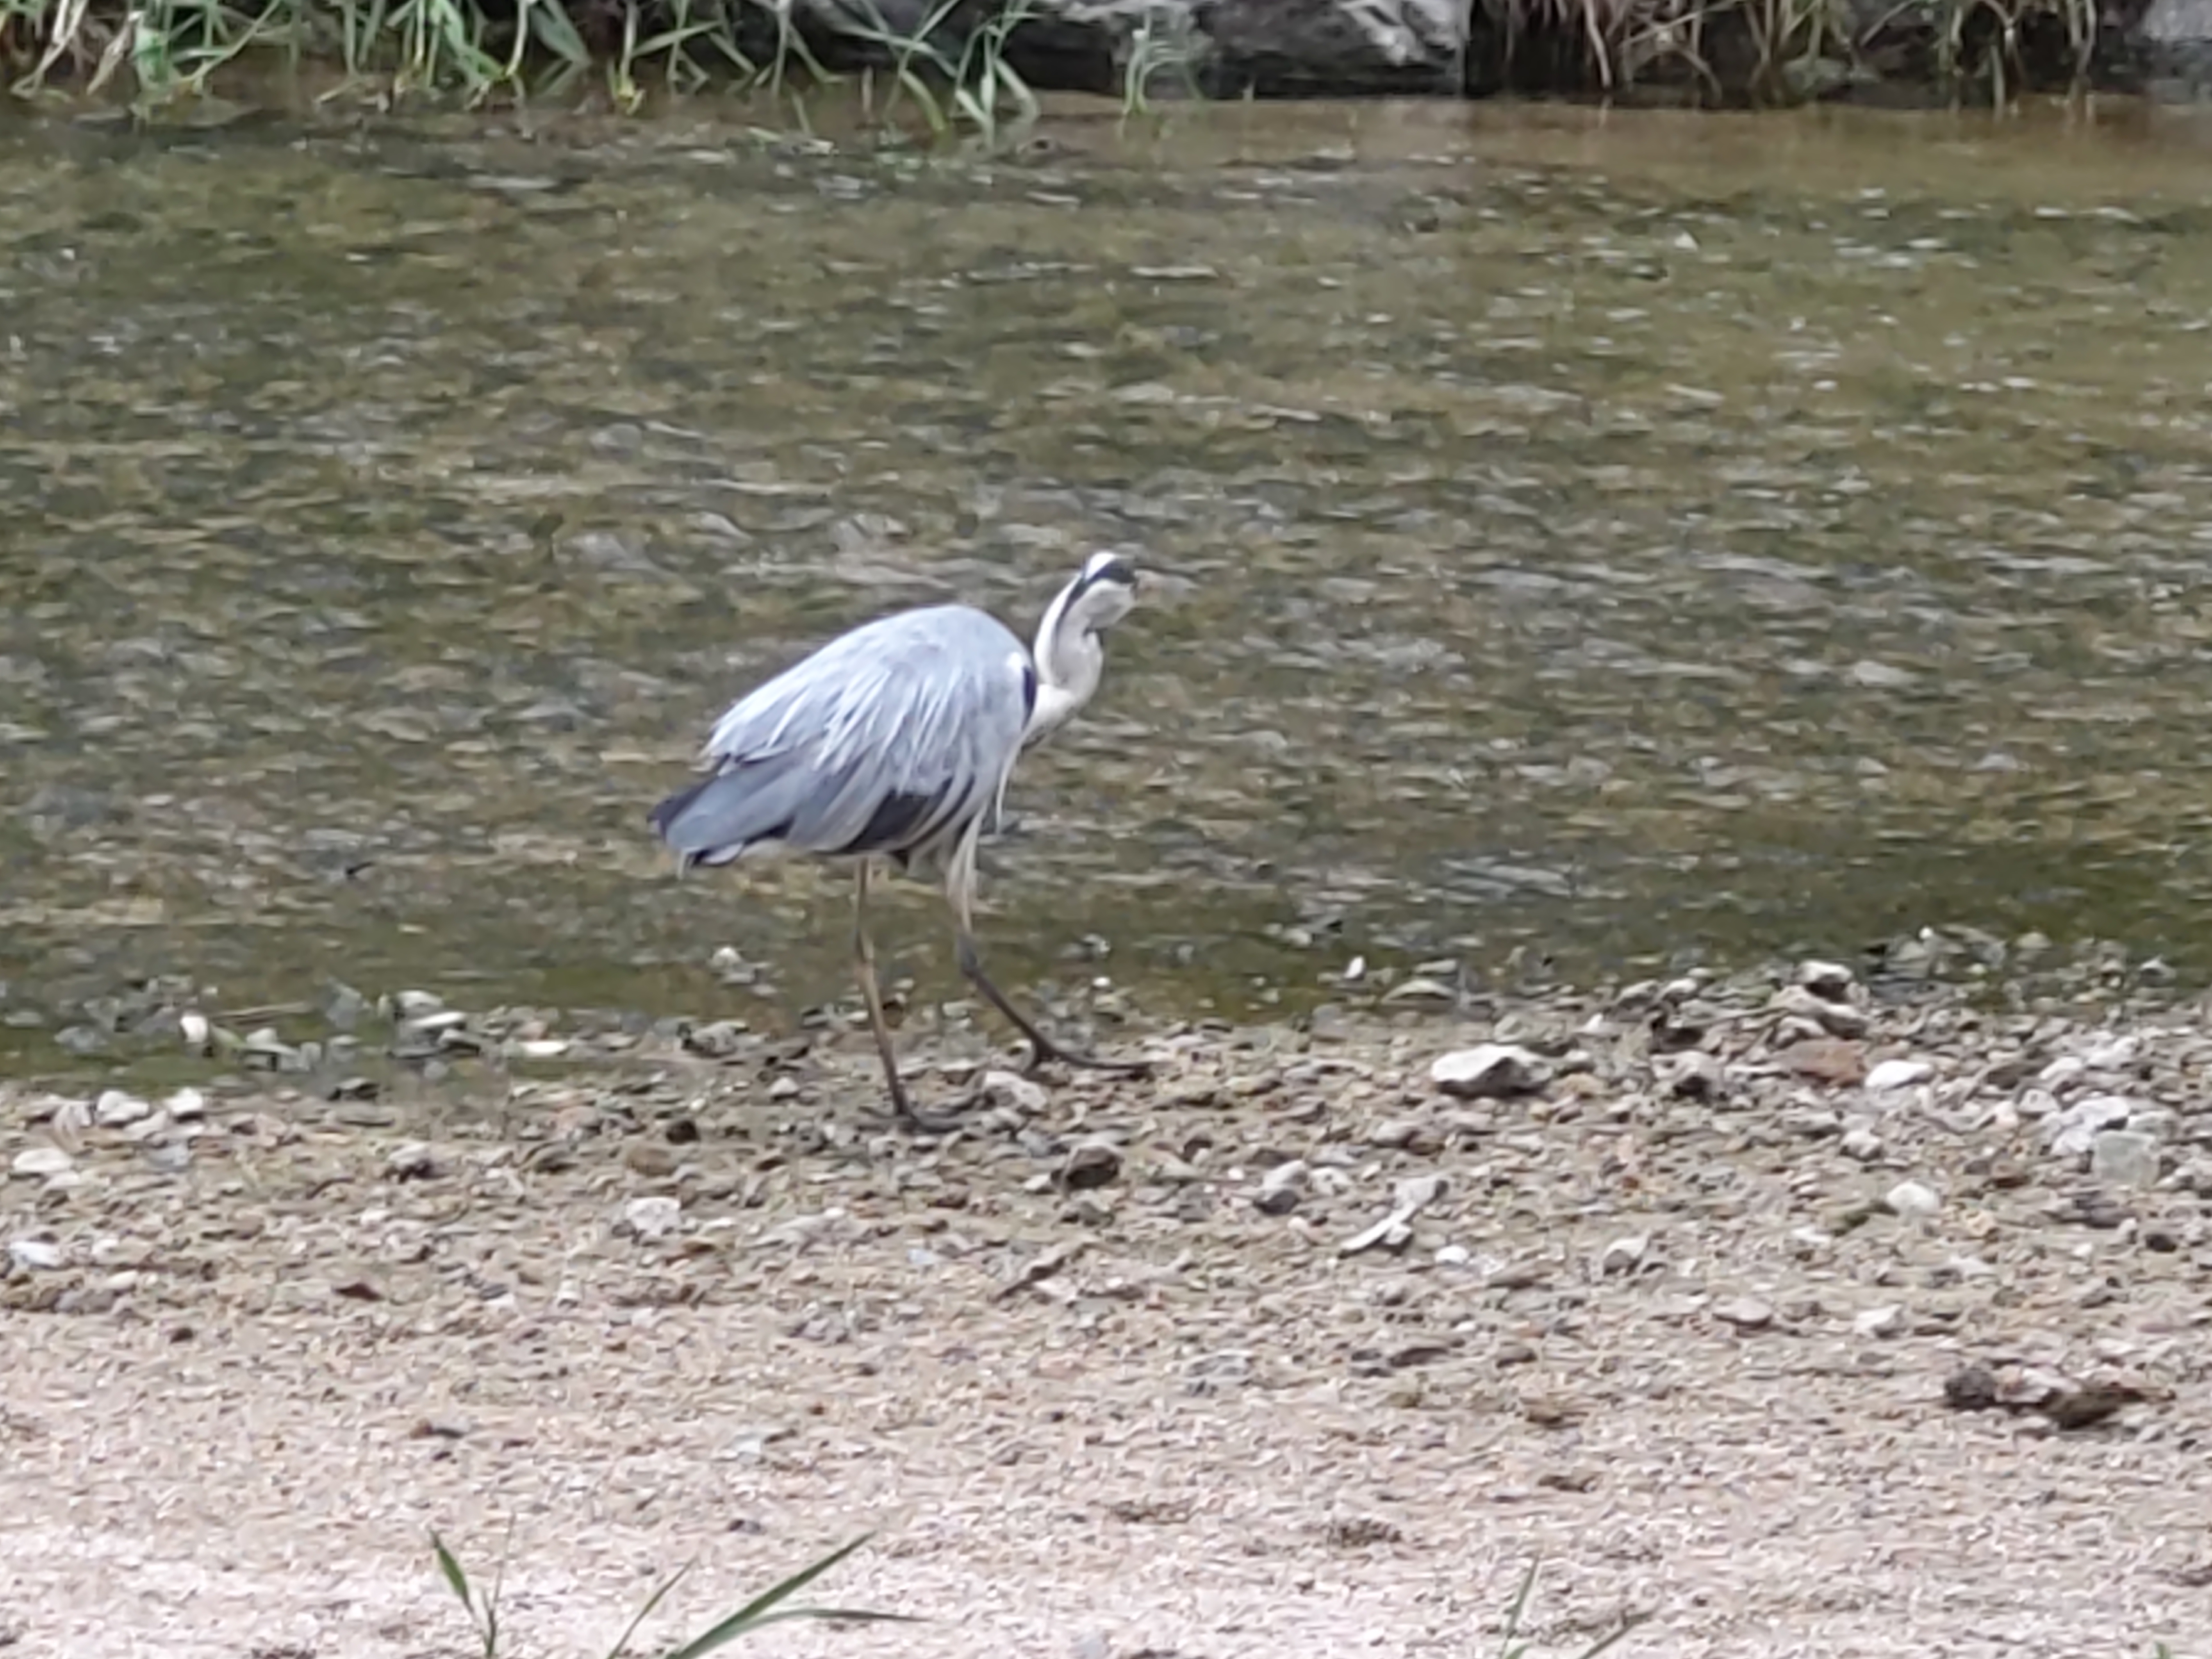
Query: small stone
{"x":541,"y":1047}
{"x":1281,"y":1187}
{"x":718,"y":1039}
{"x":34,"y":1255}
{"x":114,"y":1108}
{"x":1746,"y":1313}
{"x":1011,"y":1092}
{"x":1862,"y":1143}
{"x":411,"y":1160}
{"x":1886,"y":1320}
{"x":185,"y":1105}
{"x":1419,"y":989}
{"x":1407,"y":1133}
{"x":1824,"y":1060}
{"x":1694,"y":1075}
{"x":67,"y":1126}
{"x":1840,"y":1019}
{"x":41,"y":1161}
{"x":194,"y":1030}
{"x":2124,"y":1158}
{"x":415,"y":1005}
{"x":1897,"y":1074}
{"x":2062,"y":1071}
{"x":650,"y":1219}
{"x":650,"y":1159}
{"x":2073,"y":1129}
{"x":1830,"y":980}
{"x":1488,"y":1069}
{"x":1623,"y":1254}
{"x":1391,"y":1232}
{"x":1452,"y":1255}
{"x":2116,"y":1055}
{"x":1090,"y":1164}
{"x":1911,"y":1200}
{"x":1417,"y":1193}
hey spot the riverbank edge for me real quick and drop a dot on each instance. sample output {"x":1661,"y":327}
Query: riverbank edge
{"x":982,"y":62}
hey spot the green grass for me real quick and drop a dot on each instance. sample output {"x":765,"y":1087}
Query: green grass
{"x":764,"y":1610}
{"x":767,"y":1608}
{"x":159,"y":53}
{"x":1786,"y":51}
{"x":955,"y":71}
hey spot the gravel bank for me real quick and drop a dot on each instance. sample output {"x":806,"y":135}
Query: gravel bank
{"x":1813,"y":1314}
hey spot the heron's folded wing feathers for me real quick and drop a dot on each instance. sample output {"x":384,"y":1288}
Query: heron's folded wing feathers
{"x":876,"y":743}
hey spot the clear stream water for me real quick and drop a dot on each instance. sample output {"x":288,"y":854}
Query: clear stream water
{"x":1636,"y":539}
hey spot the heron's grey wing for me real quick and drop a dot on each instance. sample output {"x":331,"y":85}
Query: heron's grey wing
{"x":882,"y":741}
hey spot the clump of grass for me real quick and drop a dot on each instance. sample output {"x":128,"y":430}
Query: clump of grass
{"x":764,"y":1610}
{"x":1159,"y":48}
{"x":953,"y":68}
{"x":943,"y":81}
{"x":1782,"y":52}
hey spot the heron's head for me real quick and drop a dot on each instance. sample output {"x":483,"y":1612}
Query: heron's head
{"x":1070,"y":653}
{"x":1104,"y":592}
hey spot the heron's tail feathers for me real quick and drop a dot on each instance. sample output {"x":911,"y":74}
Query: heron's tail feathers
{"x":719,"y":819}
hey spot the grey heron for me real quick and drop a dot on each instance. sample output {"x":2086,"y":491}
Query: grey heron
{"x":895,"y":741}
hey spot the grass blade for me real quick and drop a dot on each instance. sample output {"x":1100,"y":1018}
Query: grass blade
{"x":762,"y":1609}
{"x":484,"y":1619}
{"x":646,"y":1612}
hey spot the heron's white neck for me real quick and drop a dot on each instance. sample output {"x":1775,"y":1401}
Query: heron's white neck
{"x":1070,"y":659}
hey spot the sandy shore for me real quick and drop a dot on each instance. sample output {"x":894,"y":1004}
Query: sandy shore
{"x":1794,"y":1318}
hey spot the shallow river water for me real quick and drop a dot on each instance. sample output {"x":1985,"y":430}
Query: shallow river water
{"x":1634,"y":539}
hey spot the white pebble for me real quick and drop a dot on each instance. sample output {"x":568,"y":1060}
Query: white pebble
{"x":1897,"y":1074}
{"x":1487,"y":1069}
{"x":114,"y":1107}
{"x":1886,"y":1320}
{"x":652,"y":1218}
{"x":1912,"y":1200}
{"x":35,"y":1255}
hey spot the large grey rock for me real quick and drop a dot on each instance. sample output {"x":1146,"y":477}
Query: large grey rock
{"x":1219,"y":48}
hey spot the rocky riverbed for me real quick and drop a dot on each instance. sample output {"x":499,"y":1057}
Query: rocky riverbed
{"x":1833,"y":1310}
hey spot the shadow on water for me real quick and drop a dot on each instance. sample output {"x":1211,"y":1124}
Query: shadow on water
{"x":1635,"y":538}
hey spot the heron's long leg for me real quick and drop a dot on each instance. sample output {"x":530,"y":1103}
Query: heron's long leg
{"x":960,"y":888}
{"x":863,"y":964}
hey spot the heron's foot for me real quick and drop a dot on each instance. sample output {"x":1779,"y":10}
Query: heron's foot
{"x":904,"y":1114}
{"x":1043,"y":1050}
